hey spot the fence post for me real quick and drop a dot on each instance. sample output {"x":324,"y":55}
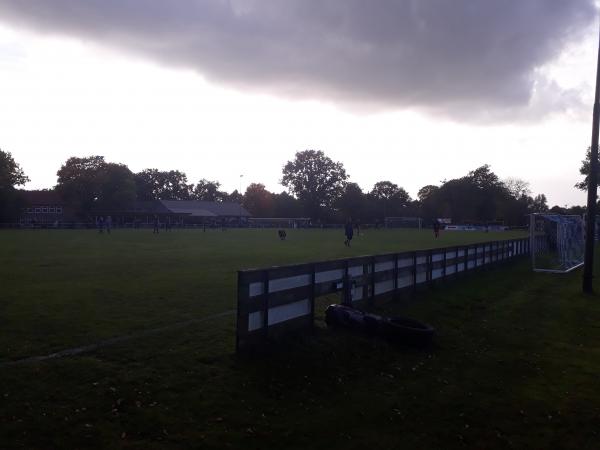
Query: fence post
{"x":312,"y":295}
{"x":429,"y":276}
{"x":395,"y":275}
{"x":240,"y":294}
{"x":366,"y":285}
{"x":266,"y":303}
{"x":414,"y":271}
{"x":483,"y":256}
{"x":455,"y":262}
{"x":445,"y":263}
{"x":346,"y":293}
{"x":372,"y":296}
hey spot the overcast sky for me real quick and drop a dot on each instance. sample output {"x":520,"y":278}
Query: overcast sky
{"x":414,"y":91}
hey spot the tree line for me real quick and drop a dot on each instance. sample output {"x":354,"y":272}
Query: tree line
{"x":316,"y":187}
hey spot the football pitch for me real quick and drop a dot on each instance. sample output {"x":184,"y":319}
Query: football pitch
{"x":515,"y":361}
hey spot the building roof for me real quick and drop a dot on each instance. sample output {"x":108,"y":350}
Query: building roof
{"x":198,"y":208}
{"x":150,"y":207}
{"x":49,"y":197}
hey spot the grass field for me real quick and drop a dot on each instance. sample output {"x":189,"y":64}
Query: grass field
{"x":515,"y":364}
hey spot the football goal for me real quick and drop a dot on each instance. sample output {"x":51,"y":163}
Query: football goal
{"x":557,"y":242}
{"x":403,"y":222}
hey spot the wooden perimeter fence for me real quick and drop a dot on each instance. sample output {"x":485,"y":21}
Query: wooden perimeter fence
{"x":277,"y":300}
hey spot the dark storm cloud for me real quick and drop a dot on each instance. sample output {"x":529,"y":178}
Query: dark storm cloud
{"x":452,"y":56}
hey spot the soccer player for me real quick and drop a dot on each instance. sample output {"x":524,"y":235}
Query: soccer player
{"x":349,"y":231}
{"x":436,"y":228}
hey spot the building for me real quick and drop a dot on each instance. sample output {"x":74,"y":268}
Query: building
{"x":179,"y":213}
{"x":44,"y":208}
{"x":48,"y":209}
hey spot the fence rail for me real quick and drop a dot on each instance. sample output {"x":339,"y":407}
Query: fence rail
{"x":276,"y":300}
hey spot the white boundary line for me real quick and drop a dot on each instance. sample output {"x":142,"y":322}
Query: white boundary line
{"x":112,"y":341}
{"x":559,"y":271}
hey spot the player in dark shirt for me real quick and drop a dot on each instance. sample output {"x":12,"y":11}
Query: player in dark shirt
{"x":349,"y":232}
{"x":436,"y":228}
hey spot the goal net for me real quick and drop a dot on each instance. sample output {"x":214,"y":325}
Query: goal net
{"x":557,"y":242}
{"x":403,"y":222}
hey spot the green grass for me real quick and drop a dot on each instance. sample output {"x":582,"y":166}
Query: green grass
{"x":515,"y":364}
{"x":69,"y":288}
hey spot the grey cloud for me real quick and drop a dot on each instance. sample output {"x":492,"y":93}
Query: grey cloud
{"x":454,"y":57}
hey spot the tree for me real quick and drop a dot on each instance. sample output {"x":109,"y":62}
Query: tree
{"x":391,"y":199}
{"x":517,"y":187}
{"x":585,"y":170}
{"x":540,"y":204}
{"x":91,"y":183}
{"x":484,"y":178}
{"x":426,"y":191}
{"x":235,"y":197}
{"x":79,"y":181}
{"x":384,"y":190}
{"x":352,"y":202}
{"x":284,"y":205}
{"x":208,"y":191}
{"x":314,"y":179}
{"x":154,"y":184}
{"x":258,"y":201}
{"x":117,"y":188}
{"x":11,"y":175}
{"x":479,"y":196}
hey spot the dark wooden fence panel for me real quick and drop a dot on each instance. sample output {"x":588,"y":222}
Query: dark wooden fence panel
{"x":275,"y":300}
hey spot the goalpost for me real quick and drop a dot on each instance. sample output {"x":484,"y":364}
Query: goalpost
{"x":403,"y":222}
{"x":557,"y":242}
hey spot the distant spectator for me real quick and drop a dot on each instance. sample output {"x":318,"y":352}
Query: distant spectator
{"x":100,"y":224}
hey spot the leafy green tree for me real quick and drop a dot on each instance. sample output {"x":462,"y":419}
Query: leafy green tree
{"x":352,"y":203}
{"x":258,"y":201}
{"x":426,"y":191}
{"x":479,"y":196}
{"x":391,"y":199}
{"x":91,"y":183}
{"x":484,"y":178}
{"x":117,"y":188}
{"x":384,"y":190}
{"x":517,"y":187}
{"x":540,"y":204}
{"x":154,"y":184}
{"x":79,"y":182}
{"x":11,"y":175}
{"x":315,"y":179}
{"x":284,"y":205}
{"x":585,"y":170}
{"x":208,"y":191}
{"x":235,"y":197}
